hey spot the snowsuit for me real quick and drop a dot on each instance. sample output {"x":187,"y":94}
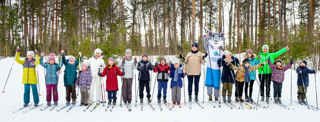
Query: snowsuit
{"x":176,"y":76}
{"x":70,"y":76}
{"x":112,"y":81}
{"x":162,"y":78}
{"x":144,"y":77}
{"x":193,"y":63}
{"x":51,"y":79}
{"x":265,"y":72}
{"x":228,"y":76}
{"x":84,"y":80}
{"x":128,"y":67}
{"x":303,"y":81}
{"x":29,"y":78}
{"x":249,"y":85}
{"x":95,"y":64}
{"x":278,"y":77}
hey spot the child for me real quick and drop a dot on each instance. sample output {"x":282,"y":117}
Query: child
{"x":176,"y":76}
{"x":249,"y":85}
{"x":243,"y":75}
{"x":83,"y":82}
{"x":51,"y":78}
{"x":163,"y":73}
{"x":144,"y":77}
{"x":227,"y":74}
{"x":70,"y":75}
{"x":94,"y":63}
{"x":128,"y":65}
{"x":29,"y":77}
{"x":277,"y":78}
{"x":303,"y":81}
{"x":112,"y":71}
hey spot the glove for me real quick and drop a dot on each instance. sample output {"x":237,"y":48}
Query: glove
{"x":300,"y":71}
{"x":123,"y":73}
{"x":205,"y":55}
{"x":268,"y":60}
{"x":135,"y":61}
{"x":99,"y":74}
{"x":42,"y":54}
{"x":156,"y":64}
{"x":291,"y":61}
{"x":182,"y":57}
{"x":18,"y":50}
{"x":204,"y":31}
{"x":36,"y":52}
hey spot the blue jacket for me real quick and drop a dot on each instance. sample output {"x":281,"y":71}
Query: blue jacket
{"x":51,"y":72}
{"x":70,"y":73}
{"x":253,"y":62}
{"x":180,"y":76}
{"x":304,"y":75}
{"x":226,"y":76}
{"x":144,"y":67}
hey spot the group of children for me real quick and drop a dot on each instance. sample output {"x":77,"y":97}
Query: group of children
{"x":89,"y":79}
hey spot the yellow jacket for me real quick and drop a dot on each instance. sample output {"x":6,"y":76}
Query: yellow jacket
{"x":29,"y":69}
{"x":241,"y":71}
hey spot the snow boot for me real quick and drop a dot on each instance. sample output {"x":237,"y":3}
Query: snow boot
{"x":262,"y":98}
{"x":114,"y":101}
{"x":68,"y":103}
{"x":125,"y":102}
{"x":276,"y":100}
{"x":250,"y":99}
{"x":237,"y":99}
{"x":174,"y":102}
{"x":149,"y":100}
{"x":224,"y":99}
{"x":178,"y":103}
{"x":300,"y":101}
{"x":304,"y":102}
{"x":229,"y":99}
{"x":73,"y":103}
{"x":159,"y":100}
{"x":165,"y":100}
{"x":247,"y":99}
{"x":210,"y":98}
{"x":85,"y":104}
{"x":82,"y":104}
{"x":36,"y":104}
{"x":216,"y":99}
{"x":25,"y":105}
{"x":241,"y":100}
{"x":141,"y":100}
{"x":267,"y":100}
{"x":196,"y":98}
{"x":55,"y":103}
{"x":48,"y":103}
{"x":129,"y":102}
{"x":109,"y":102}
{"x":279,"y":100}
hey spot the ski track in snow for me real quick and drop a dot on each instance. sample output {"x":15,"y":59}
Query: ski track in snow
{"x":13,"y":100}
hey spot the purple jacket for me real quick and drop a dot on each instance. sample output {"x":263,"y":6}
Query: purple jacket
{"x":278,"y":74}
{"x":84,"y":79}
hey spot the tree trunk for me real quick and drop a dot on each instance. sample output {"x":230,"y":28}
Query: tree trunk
{"x":193,"y":20}
{"x":230,"y":24}
{"x":238,"y":24}
{"x":220,"y":20}
{"x":182,"y":23}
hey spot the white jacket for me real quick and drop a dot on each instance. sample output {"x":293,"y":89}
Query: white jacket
{"x":94,"y":64}
{"x":127,"y":67}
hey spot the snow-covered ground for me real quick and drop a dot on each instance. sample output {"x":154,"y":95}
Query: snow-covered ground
{"x":12,"y":100}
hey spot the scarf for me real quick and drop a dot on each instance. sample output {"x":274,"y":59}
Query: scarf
{"x":280,"y":68}
{"x":194,"y":51}
{"x":128,"y":59}
{"x":247,"y":75}
{"x":228,"y":60}
{"x":109,"y":67}
{"x":71,"y":63}
{"x":176,"y":75}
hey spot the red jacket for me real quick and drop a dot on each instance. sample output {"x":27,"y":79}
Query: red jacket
{"x":112,"y":80}
{"x":162,"y":72}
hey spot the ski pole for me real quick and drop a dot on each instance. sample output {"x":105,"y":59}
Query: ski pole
{"x":315,"y":80}
{"x":121,"y":92}
{"x":7,"y":78}
{"x":37,"y":62}
{"x":305,"y":93}
{"x":291,"y":89}
{"x":155,"y":82}
{"x":204,"y":80}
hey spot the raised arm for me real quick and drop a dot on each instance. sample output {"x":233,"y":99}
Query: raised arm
{"x":41,"y":62}
{"x":288,"y":66}
{"x":18,"y":59}
{"x":252,"y":68}
{"x":272,"y":66}
{"x":233,"y":67}
{"x":276,"y":54}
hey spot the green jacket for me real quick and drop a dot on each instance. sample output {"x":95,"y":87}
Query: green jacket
{"x":264,"y":58}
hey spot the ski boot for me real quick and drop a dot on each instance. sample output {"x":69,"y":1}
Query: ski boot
{"x":55,"y":103}
{"x":229,"y":99}
{"x":165,"y":100}
{"x":216,"y":99}
{"x":159,"y":100}
{"x":141,"y":100}
{"x":114,"y":101}
{"x":262,"y":98}
{"x":279,"y":100}
{"x":73,"y":103}
{"x":237,"y":99}
{"x":149,"y":100}
{"x":174,"y":102}
{"x":250,"y":99}
{"x":125,"y":102}
{"x":82,"y":104}
{"x":85,"y":104}
{"x":210,"y":98}
{"x":178,"y":103}
{"x":304,"y":102}
{"x":196,"y":98}
{"x":68,"y":103}
{"x":247,"y":99}
{"x":190,"y":99}
{"x":267,"y":100}
{"x":300,"y":101}
{"x":109,"y":102}
{"x":36,"y":104}
{"x":241,"y":100}
{"x":224,"y":99}
{"x":276,"y":100}
{"x":49,"y":104}
{"x":25,"y":105}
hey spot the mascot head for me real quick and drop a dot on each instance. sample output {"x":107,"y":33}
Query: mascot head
{"x":216,"y":40}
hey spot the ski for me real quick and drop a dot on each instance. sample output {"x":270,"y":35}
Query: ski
{"x":21,"y":109}
{"x":107,"y":108}
{"x":249,"y":105}
{"x":160,"y":106}
{"x":234,"y":105}
{"x":42,"y":109}
{"x":72,"y":107}
{"x":94,"y":108}
{"x":314,"y":107}
{"x":32,"y":108}
{"x":151,"y":106}
{"x":63,"y":108}
{"x":84,"y":110}
{"x":212,"y":104}
{"x":229,"y":105}
{"x":284,"y":106}
{"x":259,"y":105}
{"x":53,"y":108}
{"x":190,"y":105}
{"x":141,"y":106}
{"x":198,"y":104}
{"x":167,"y":106}
{"x":218,"y":103}
{"x":241,"y":106}
{"x":111,"y":108}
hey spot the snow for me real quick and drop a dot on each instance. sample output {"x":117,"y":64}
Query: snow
{"x":12,"y":100}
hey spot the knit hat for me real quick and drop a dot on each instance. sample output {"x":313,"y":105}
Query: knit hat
{"x":111,"y":59}
{"x":195,"y":44}
{"x":163,"y":59}
{"x":265,"y":46}
{"x":97,"y":51}
{"x":305,"y":62}
{"x":250,"y":51}
{"x":227,"y":52}
{"x":176,"y":61}
{"x":84,"y":65}
{"x":30,"y":53}
{"x":245,"y":61}
{"x":145,"y":55}
{"x":52,"y":57}
{"x":128,"y":51}
{"x":278,"y":61}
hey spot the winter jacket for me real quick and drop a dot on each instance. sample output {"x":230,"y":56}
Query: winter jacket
{"x":193,"y":63}
{"x":253,"y":62}
{"x":227,"y":74}
{"x":70,"y":73}
{"x":29,"y":69}
{"x":180,"y":76}
{"x":241,"y":71}
{"x":112,"y":80}
{"x":84,"y":79}
{"x":304,"y":75}
{"x":265,"y":57}
{"x":162,"y":72}
{"x":94,"y":64}
{"x":51,"y":72}
{"x":278,"y":74}
{"x":143,"y":68}
{"x":127,"y":66}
